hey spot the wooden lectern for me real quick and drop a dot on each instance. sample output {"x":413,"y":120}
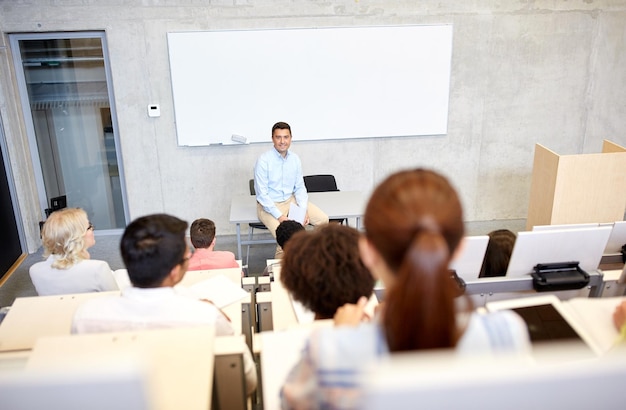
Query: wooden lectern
{"x":570,"y":189}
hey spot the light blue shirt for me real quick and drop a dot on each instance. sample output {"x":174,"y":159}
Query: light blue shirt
{"x":277,"y":178}
{"x":328,"y":375}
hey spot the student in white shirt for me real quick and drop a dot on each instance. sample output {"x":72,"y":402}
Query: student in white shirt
{"x":156,"y":256}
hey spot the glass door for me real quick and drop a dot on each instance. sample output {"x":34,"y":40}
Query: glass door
{"x":64,"y":85}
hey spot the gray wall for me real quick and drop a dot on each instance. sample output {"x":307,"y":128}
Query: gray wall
{"x":526,"y":72}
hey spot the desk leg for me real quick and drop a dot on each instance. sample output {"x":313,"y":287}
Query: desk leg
{"x":238,"y":228}
{"x":358,"y":223}
{"x":596,"y":285}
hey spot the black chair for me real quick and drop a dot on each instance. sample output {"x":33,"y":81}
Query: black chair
{"x":254,"y":225}
{"x":322,"y":183}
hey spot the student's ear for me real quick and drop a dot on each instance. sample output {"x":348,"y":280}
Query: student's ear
{"x":369,"y":255}
{"x":213,"y":241}
{"x":374,"y":262}
{"x":176,"y":275}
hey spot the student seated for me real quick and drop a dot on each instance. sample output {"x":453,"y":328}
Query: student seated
{"x":156,"y":255}
{"x":285,"y":230}
{"x":202,"y":234}
{"x":322,"y":269}
{"x":66,"y":235}
{"x":413,"y":225}
{"x":498,"y":253}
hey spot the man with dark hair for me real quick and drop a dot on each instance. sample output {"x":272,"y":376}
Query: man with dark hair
{"x":156,"y":255}
{"x":278,"y":182}
{"x":286,"y":229}
{"x":202,"y":233}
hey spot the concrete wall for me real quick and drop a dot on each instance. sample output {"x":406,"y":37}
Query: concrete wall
{"x":525,"y":72}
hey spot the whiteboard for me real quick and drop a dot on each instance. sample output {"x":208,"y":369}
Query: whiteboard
{"x":327,"y":83}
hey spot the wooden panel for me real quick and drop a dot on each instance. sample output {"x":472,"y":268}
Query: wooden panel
{"x":590,"y":188}
{"x":545,"y":170}
{"x":608,"y":146}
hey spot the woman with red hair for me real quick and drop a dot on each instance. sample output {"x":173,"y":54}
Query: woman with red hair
{"x":413,"y":227}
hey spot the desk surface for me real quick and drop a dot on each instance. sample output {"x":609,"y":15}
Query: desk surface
{"x":33,"y":317}
{"x":37,"y":316}
{"x":180,"y":378}
{"x":336,"y":204}
{"x":280,"y":351}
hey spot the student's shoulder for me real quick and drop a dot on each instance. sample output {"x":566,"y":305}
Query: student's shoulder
{"x":192,"y":302}
{"x":39,"y":266}
{"x":42,"y":264}
{"x":365,"y":340}
{"x":503,"y":329}
{"x":94,"y":264}
{"x":225,"y":254}
{"x":331,"y":351}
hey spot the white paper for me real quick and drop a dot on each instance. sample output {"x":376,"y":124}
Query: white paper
{"x":219,"y":290}
{"x":122,"y":279}
{"x":596,"y":317}
{"x":305,"y":316}
{"x":296,"y":213}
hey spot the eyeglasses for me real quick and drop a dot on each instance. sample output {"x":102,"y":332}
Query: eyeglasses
{"x":90,"y":227}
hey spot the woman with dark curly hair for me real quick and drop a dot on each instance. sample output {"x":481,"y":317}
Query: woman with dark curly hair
{"x":322,"y":269}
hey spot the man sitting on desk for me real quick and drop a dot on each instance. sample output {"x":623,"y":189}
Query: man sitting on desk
{"x":156,"y":256}
{"x":278,"y":183}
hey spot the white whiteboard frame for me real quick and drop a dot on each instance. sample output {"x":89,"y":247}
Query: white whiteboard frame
{"x":327,"y":83}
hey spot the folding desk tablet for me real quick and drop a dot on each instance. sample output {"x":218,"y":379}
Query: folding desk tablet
{"x":579,"y":321}
{"x":241,"y":312}
{"x":584,"y":245}
{"x":280,"y":351}
{"x":119,"y":384}
{"x":178,"y":363}
{"x":469,"y":260}
{"x":442,"y":382}
{"x":33,"y":317}
{"x":617,"y":239}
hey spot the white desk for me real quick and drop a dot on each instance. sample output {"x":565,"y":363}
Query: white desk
{"x":33,"y":317}
{"x":336,"y":204}
{"x":179,"y":378}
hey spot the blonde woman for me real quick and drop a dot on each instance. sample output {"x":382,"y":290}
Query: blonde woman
{"x":67,"y":234}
